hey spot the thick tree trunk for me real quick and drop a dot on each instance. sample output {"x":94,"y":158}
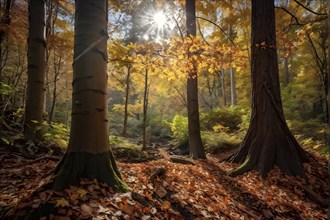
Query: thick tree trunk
{"x":268,"y":141}
{"x":89,"y":154}
{"x":195,"y":141}
{"x":145,"y":110}
{"x":128,"y":76}
{"x":36,"y":70}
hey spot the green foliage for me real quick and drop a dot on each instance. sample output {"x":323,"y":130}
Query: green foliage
{"x":125,"y":148}
{"x":57,"y":133}
{"x":179,"y":128}
{"x":5,"y":89}
{"x":224,"y":119}
{"x":215,"y":142}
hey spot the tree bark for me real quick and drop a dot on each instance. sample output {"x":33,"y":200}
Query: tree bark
{"x":329,"y":91}
{"x":268,"y":141}
{"x":5,"y":22}
{"x":195,"y":141}
{"x":128,"y":76}
{"x":145,"y":110}
{"x":89,"y":154}
{"x":232,"y":86}
{"x":286,"y":71}
{"x":57,"y":69}
{"x":223,"y":87}
{"x":36,"y":71}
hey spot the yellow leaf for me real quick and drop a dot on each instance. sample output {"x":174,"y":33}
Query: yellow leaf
{"x":166,"y":205}
{"x":62,"y":202}
{"x":81,"y":192}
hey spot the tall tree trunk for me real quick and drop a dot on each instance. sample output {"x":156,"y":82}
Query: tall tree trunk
{"x":57,"y":69}
{"x":329,"y":90}
{"x":223,"y":87}
{"x":232,"y":86}
{"x":4,"y":22}
{"x":195,"y":141}
{"x":232,"y":71}
{"x":36,"y":70}
{"x":268,"y":141}
{"x":286,"y":71}
{"x":89,"y":154}
{"x":145,"y":109}
{"x":128,"y":78}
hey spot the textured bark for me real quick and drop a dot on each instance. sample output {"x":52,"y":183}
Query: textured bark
{"x":268,"y":141}
{"x":128,"y":78}
{"x":195,"y":141}
{"x":329,"y":91}
{"x":89,"y":154}
{"x":36,"y":70}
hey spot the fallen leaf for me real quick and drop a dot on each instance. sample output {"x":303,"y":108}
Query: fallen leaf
{"x":62,"y":202}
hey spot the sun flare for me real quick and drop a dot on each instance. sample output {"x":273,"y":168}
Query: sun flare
{"x":159,"y":19}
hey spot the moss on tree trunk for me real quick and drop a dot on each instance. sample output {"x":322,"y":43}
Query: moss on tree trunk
{"x":77,"y":165}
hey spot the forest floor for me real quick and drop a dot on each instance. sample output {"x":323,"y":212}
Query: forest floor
{"x":162,"y":189}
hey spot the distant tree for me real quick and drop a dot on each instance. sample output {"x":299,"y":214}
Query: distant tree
{"x":195,"y":141}
{"x":35,"y":93}
{"x":89,"y":154}
{"x":268,"y":141}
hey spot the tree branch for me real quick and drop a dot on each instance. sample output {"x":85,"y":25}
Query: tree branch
{"x":200,"y":31}
{"x":205,"y":19}
{"x":292,"y":15}
{"x":308,"y":9}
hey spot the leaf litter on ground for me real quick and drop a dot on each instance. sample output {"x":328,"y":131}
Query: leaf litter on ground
{"x":180,"y":191}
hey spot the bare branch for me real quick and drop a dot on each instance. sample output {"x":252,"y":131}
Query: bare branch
{"x":200,"y":31}
{"x":205,"y":19}
{"x":308,"y":9}
{"x":292,"y":15}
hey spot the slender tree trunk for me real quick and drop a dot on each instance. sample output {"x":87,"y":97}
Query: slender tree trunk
{"x":57,"y":69}
{"x":36,"y":70}
{"x":329,"y":91}
{"x":89,"y":154}
{"x":268,"y":141}
{"x":286,"y":71}
{"x":232,"y":72}
{"x":128,"y":78}
{"x":5,"y":22}
{"x":195,"y":141}
{"x":145,"y":109}
{"x":223,"y":87}
{"x":232,"y":86}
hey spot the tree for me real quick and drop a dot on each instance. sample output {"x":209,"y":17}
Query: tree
{"x":89,"y":154}
{"x":268,"y":141}
{"x":195,"y":141}
{"x":36,"y":70}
